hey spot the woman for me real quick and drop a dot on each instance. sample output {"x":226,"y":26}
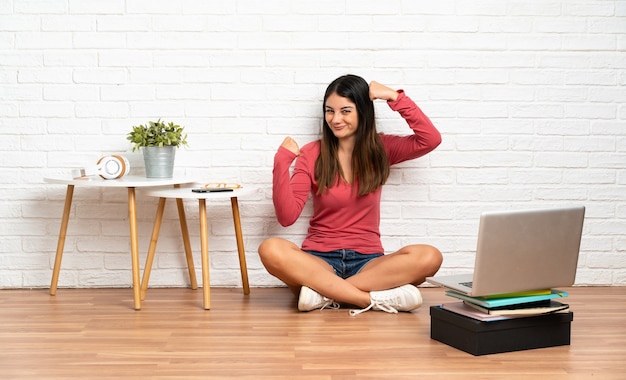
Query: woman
{"x":342,"y":259}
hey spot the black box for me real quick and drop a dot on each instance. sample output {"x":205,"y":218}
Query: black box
{"x":482,"y":338}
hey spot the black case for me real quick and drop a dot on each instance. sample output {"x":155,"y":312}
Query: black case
{"x":482,"y":338}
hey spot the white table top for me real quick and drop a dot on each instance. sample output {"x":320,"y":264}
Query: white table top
{"x":126,"y":181}
{"x":186,"y":193}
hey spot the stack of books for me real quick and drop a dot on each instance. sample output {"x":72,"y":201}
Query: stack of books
{"x":508,"y":306}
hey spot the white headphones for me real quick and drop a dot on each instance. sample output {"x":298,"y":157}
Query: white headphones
{"x":113,"y":167}
{"x":107,"y":167}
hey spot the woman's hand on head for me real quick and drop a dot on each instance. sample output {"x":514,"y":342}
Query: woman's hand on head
{"x":380,"y":91}
{"x":291,"y":145}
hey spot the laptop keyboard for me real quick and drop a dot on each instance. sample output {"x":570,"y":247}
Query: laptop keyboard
{"x":468,"y":284}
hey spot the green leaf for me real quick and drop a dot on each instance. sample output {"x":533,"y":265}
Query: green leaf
{"x":157,"y":133}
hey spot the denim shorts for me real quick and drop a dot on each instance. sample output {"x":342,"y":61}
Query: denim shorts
{"x":345,"y":262}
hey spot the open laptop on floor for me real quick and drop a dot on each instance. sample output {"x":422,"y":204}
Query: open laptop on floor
{"x":521,"y":251}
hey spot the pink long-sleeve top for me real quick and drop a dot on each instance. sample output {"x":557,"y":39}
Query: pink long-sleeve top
{"x":341,"y":219}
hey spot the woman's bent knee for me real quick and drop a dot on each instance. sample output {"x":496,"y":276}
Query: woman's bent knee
{"x":427,"y":257}
{"x":272,"y":250}
{"x":433,"y":259}
{"x":268,"y":245}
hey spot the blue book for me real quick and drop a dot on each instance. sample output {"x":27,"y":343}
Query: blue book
{"x":507,"y":301}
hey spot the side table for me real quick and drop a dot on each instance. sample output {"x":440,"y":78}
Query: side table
{"x":180,"y":194}
{"x":129,"y":182}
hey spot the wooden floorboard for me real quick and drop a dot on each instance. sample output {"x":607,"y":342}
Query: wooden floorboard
{"x":95,"y":333}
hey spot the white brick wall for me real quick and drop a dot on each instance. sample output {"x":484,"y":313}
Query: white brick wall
{"x":529,"y":97}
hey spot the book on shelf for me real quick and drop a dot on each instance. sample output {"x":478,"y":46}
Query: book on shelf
{"x":529,"y":309}
{"x":507,"y":301}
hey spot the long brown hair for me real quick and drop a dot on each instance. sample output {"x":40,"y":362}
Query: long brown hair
{"x":369,"y":159}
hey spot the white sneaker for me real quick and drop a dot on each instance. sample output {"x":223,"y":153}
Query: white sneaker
{"x":311,"y":300}
{"x":402,"y":298}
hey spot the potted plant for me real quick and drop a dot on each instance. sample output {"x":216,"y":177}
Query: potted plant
{"x":158,"y":141}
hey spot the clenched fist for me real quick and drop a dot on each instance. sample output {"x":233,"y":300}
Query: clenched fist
{"x":291,"y":145}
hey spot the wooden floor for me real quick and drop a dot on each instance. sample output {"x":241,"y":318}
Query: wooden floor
{"x":95,"y":333}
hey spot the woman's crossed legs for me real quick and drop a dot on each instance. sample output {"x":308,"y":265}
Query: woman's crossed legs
{"x":296,"y":268}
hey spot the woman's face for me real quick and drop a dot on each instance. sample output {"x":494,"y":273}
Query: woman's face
{"x":341,"y":116}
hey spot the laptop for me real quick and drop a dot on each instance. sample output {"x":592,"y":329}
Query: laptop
{"x":521,"y":251}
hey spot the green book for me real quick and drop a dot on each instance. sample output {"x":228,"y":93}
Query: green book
{"x":522,"y":309}
{"x":507,"y":301}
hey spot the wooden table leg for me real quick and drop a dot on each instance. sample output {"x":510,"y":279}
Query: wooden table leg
{"x":134,"y":247}
{"x":185,"y":232}
{"x":242,"y":252}
{"x":152,"y":248}
{"x":204,"y":247}
{"x":61,"y":242}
